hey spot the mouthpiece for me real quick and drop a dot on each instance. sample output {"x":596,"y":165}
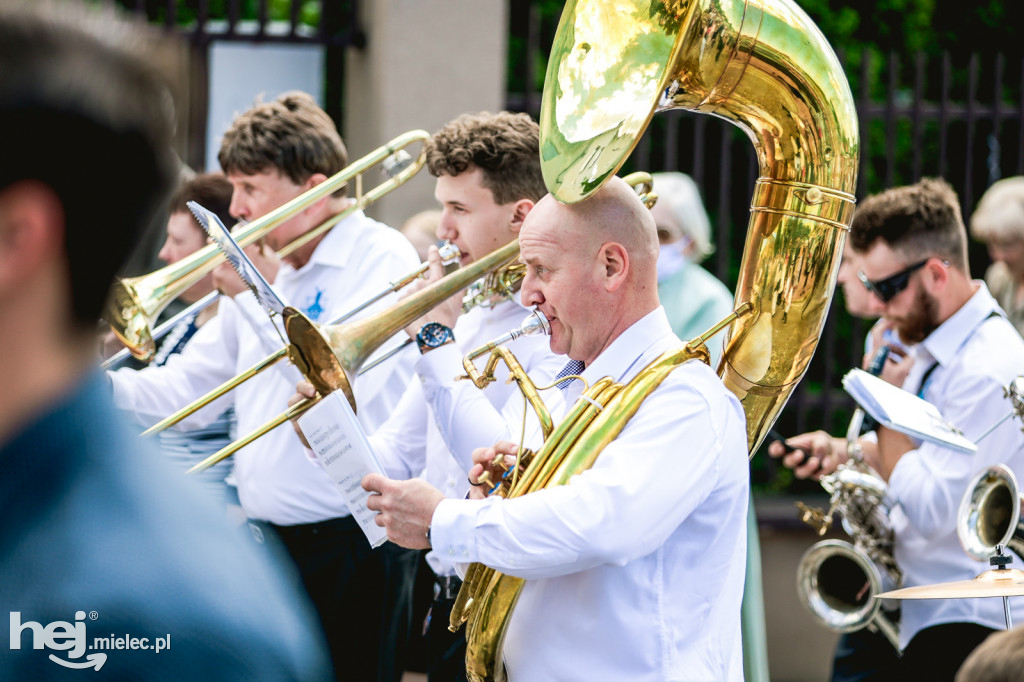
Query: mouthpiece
{"x":449,"y":253}
{"x":535,"y":323}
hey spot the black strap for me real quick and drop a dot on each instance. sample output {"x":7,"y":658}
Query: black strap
{"x":935,"y":364}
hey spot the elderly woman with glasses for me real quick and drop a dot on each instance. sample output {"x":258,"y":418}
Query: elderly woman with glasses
{"x":998,"y":221}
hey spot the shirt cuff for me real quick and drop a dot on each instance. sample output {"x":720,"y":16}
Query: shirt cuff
{"x":441,"y":365}
{"x":451,"y":530}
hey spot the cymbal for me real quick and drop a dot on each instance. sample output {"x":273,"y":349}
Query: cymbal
{"x":1007,"y":582}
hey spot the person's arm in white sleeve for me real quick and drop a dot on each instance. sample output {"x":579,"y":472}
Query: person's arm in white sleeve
{"x":636,"y":483}
{"x":401,"y":442}
{"x":929,"y":482}
{"x":464,"y":416}
{"x":151,"y":394}
{"x":381,"y":382}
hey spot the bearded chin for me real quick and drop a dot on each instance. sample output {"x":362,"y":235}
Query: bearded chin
{"x":922,"y":321}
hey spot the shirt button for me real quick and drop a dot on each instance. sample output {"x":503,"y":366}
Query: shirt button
{"x":451,"y":551}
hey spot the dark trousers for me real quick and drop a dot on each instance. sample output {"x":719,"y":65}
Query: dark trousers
{"x":861,"y":654}
{"x":936,"y":653}
{"x":446,"y":650}
{"x":363,"y":596}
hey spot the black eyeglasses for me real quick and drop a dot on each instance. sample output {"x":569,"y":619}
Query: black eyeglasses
{"x":887,"y":289}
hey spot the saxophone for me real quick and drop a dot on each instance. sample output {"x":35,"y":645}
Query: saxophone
{"x":837,"y":580}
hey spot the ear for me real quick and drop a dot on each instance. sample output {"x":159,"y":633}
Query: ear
{"x":614,"y":262}
{"x":938,"y":275}
{"x":31,"y":232}
{"x":519,"y":211}
{"x":311,"y":182}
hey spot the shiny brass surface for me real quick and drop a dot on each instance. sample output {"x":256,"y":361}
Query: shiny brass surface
{"x":990,"y":514}
{"x":497,"y":352}
{"x":134,"y":303}
{"x":330,"y":356}
{"x":497,"y":286}
{"x":764,"y":66}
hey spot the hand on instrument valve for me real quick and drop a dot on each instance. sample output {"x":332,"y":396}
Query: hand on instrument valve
{"x":485,"y":473}
{"x":448,"y":311}
{"x":810,"y":455}
{"x":303,"y":391}
{"x":227,"y":281}
{"x":899,"y":361}
{"x":405,"y":508}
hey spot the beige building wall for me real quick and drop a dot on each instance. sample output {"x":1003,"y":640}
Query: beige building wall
{"x":426,"y":61}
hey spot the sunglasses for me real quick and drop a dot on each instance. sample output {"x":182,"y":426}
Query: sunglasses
{"x":887,"y":289}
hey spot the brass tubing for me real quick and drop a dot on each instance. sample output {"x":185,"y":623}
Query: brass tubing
{"x":328,"y":354}
{"x":224,"y":388}
{"x":292,"y":412}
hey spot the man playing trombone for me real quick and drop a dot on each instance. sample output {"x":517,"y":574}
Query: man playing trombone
{"x":273,"y":153}
{"x":488,"y":178}
{"x":634,"y":568}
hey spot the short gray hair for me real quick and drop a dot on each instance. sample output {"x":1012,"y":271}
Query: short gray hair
{"x":1000,"y":213}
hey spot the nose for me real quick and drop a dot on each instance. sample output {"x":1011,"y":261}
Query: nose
{"x":875,"y":306}
{"x":165,"y":252}
{"x":238,"y":208}
{"x":446,"y":227}
{"x":529,"y":291}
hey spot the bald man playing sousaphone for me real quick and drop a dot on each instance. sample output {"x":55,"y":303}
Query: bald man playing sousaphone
{"x":634,"y":568}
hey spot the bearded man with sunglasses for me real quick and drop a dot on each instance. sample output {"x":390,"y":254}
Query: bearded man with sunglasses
{"x":914,"y":262}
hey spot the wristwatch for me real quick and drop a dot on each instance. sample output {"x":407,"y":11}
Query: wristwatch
{"x":433,"y":335}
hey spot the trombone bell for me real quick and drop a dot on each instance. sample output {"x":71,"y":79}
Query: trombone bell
{"x":311,"y":353}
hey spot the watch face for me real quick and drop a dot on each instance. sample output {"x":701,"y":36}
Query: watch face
{"x":434,"y":334}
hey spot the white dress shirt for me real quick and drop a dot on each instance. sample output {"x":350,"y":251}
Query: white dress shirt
{"x":437,"y":409}
{"x":977,"y":356}
{"x":356,"y":260}
{"x":634,"y":568}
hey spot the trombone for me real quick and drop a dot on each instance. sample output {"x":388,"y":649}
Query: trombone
{"x":327,"y":355}
{"x":134,"y":303}
{"x":449,"y":254}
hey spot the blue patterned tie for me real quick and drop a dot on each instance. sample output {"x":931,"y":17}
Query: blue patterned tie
{"x":573,"y":367}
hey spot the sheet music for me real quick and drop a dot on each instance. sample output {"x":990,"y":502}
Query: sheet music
{"x":904,"y":412}
{"x":341,"y":447}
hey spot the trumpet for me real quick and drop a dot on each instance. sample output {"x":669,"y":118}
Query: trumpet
{"x":327,"y":355}
{"x":134,"y":303}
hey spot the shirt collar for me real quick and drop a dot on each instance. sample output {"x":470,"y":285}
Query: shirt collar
{"x":944,"y":343}
{"x":622,"y":354}
{"x":336,"y":249}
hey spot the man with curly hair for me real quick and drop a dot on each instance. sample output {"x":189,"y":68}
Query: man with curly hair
{"x":488,"y":178}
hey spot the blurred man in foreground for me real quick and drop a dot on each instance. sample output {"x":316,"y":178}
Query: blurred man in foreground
{"x":100,"y":541}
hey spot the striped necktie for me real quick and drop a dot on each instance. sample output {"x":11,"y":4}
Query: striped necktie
{"x":573,"y":367}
